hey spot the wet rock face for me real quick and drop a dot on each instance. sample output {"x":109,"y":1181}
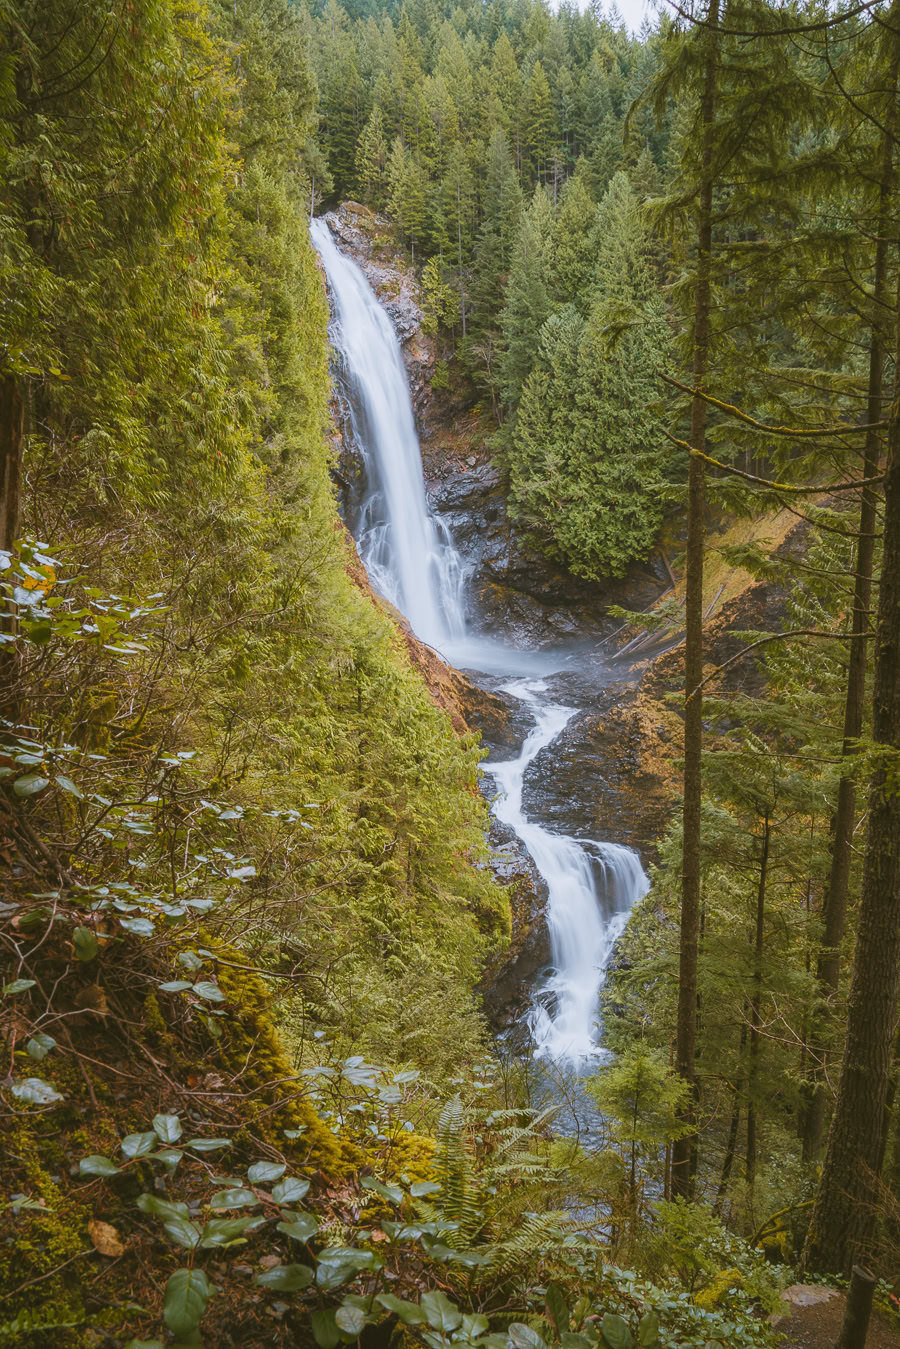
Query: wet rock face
{"x":507,"y":982}
{"x":516,"y":590}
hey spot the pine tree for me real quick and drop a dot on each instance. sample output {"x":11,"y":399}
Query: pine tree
{"x":574,"y":243}
{"x":406,"y":184}
{"x":528,"y":302}
{"x":372,"y":159}
{"x":458,"y":200}
{"x":539,"y":122}
{"x":587,"y":469}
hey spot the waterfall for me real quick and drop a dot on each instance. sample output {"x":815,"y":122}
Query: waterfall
{"x":584,"y":919}
{"x":408,"y":554}
{"x":411,"y":560}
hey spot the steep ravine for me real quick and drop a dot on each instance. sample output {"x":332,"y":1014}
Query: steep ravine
{"x":610,"y":773}
{"x":519,"y":601}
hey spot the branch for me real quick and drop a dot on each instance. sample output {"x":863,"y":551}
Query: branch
{"x":764,"y":641}
{"x":791,"y":1208}
{"x":776,"y":32}
{"x":791,"y":431}
{"x":767,"y":482}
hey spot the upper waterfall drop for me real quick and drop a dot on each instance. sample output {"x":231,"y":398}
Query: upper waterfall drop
{"x":408,"y":554}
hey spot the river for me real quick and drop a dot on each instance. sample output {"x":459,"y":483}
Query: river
{"x":410,"y":558}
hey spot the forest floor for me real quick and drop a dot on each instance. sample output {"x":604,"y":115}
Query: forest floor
{"x":817,"y":1325}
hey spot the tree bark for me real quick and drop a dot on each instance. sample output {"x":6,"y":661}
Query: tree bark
{"x":844,"y":1212}
{"x":12,"y":434}
{"x":834,"y":910}
{"x":731,"y":1144}
{"x":684,"y":1150}
{"x":756,"y":1007}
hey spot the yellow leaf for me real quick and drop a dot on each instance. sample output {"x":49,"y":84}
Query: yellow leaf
{"x":105,"y":1238}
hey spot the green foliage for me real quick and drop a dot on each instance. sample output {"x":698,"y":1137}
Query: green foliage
{"x":645,"y":1100}
{"x":587,"y":471}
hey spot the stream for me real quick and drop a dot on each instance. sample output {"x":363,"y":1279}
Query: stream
{"x":411,"y":560}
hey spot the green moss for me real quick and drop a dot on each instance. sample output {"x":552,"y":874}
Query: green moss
{"x":253,"y":1047}
{"x":40,"y":1244}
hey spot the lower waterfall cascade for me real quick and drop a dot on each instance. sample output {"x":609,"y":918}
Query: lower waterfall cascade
{"x":411,"y":560}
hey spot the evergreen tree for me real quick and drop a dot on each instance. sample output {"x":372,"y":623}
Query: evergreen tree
{"x":574,"y":243}
{"x":539,"y":121}
{"x":372,"y":160}
{"x":406,"y":184}
{"x":528,"y":301}
{"x":587,"y":470}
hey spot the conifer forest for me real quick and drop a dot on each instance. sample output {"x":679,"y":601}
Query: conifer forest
{"x":450,"y":674}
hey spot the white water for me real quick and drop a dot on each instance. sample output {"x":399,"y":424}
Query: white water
{"x":411,"y":560}
{"x":584,"y":924}
{"x":408,"y":554}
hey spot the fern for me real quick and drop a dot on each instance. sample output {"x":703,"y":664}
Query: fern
{"x":461,"y":1199}
{"x":537,"y":1237}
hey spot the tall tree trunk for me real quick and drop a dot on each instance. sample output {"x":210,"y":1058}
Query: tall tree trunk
{"x":731,"y":1144}
{"x":834,"y":911}
{"x":756,"y":1008}
{"x":844,"y":1213}
{"x":12,"y":433}
{"x":684,"y":1150}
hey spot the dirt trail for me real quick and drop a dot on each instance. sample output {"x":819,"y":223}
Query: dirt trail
{"x":814,"y":1319}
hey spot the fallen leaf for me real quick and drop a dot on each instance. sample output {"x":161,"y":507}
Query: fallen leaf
{"x":105,"y":1238}
{"x":270,"y":1261}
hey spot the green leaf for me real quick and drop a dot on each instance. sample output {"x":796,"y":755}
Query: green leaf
{"x":167,"y":1128}
{"x":290,"y":1191}
{"x":207,"y":1144}
{"x":392,"y":1193}
{"x":181,"y":1231}
{"x":648,"y":1330}
{"x":30,"y":784}
{"x":210,"y":991}
{"x":350,"y":1320}
{"x":570,"y":1339}
{"x":263,"y":1173}
{"x":286,"y":1278}
{"x":410,"y":1313}
{"x":170,"y":1156}
{"x":34,"y":1091}
{"x":176,"y":986}
{"x":616,"y":1333}
{"x":186,"y":1296}
{"x":557,"y":1307}
{"x":39,"y":1045}
{"x":520,"y":1336}
{"x":97,"y":1166}
{"x":144,"y":1344}
{"x":300,"y":1226}
{"x":475,"y":1325}
{"x":139,"y":1145}
{"x":68,"y":786}
{"x":225,"y":1231}
{"x":324,"y":1328}
{"x":85,"y":943}
{"x":337,"y":1264}
{"x":162,"y":1208}
{"x":440,"y":1311}
{"x":237,"y":1198}
{"x":141,"y":927}
{"x":17,"y":986}
{"x":423,"y":1187}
